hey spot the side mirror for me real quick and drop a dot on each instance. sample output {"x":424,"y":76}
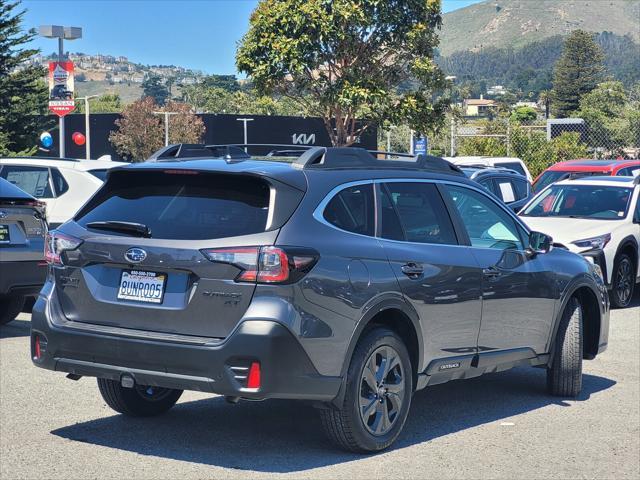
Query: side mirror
{"x":539,"y":243}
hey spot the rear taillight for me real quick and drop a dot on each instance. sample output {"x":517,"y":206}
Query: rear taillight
{"x":266,"y":264}
{"x":56,"y":244}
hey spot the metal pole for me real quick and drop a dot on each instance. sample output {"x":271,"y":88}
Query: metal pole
{"x":411,"y":142}
{"x":87,"y":129}
{"x":453,"y":137}
{"x":166,"y":129}
{"x":244,"y":122}
{"x":61,"y":127}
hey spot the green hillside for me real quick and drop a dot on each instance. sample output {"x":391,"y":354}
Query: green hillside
{"x":515,"y":23}
{"x":128,"y":92}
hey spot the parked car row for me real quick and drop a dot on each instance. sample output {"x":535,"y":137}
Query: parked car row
{"x":590,"y":207}
{"x":337,"y":278}
{"x":36,"y":194}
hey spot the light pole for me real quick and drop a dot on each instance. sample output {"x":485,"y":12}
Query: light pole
{"x":244,"y":121}
{"x":166,"y":124}
{"x":61,"y":33}
{"x":87,"y":128}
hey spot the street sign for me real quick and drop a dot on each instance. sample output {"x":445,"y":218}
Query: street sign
{"x":420,"y":145}
{"x":61,"y":88}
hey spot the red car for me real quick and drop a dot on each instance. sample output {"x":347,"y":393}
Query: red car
{"x":584,"y":168}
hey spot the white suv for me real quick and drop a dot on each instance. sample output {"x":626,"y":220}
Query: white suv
{"x":63,"y":184}
{"x":599,"y":218}
{"x":512,"y":163}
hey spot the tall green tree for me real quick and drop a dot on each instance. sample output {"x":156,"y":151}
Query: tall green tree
{"x":153,"y":87}
{"x":344,"y":60}
{"x":23,"y":92}
{"x":577,"y":72}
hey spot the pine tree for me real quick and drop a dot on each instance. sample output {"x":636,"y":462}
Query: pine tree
{"x":153,"y":87}
{"x":577,"y":72}
{"x":23,"y":92}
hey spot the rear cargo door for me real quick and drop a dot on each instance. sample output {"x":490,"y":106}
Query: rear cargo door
{"x":162,"y":281}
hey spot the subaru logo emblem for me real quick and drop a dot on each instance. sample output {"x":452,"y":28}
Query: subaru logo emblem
{"x":3,"y":214}
{"x":135,"y":255}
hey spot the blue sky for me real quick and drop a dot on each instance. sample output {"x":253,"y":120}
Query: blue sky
{"x":198,"y":34}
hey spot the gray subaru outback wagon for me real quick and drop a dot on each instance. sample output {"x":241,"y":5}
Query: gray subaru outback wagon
{"x":337,"y":278}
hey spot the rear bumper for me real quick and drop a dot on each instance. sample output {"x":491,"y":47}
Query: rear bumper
{"x":24,"y":278}
{"x":286,"y":371}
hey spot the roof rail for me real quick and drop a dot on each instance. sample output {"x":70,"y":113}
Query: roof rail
{"x":228,"y":151}
{"x":354,"y":157}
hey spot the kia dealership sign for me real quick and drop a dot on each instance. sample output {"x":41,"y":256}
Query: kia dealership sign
{"x":61,"y":88}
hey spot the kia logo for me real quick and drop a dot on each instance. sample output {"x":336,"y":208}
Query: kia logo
{"x":135,"y":255}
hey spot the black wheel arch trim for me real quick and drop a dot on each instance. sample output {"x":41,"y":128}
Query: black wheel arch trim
{"x":572,"y":288}
{"x":627,"y":241}
{"x":389,"y":302}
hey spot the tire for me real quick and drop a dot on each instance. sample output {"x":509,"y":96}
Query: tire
{"x":136,"y":402}
{"x":623,"y":281}
{"x":10,"y":307}
{"x":354,"y":431}
{"x":564,"y":374}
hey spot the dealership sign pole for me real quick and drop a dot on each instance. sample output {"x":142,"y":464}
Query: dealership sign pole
{"x":61,"y":76}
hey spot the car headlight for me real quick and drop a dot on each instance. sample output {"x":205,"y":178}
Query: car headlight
{"x":594,"y":243}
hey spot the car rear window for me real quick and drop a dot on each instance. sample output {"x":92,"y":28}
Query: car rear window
{"x":186,"y":205}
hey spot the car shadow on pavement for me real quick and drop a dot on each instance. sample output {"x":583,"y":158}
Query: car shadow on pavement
{"x":285,"y":436}
{"x":16,"y":328}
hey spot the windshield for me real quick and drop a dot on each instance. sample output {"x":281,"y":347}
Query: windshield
{"x":581,"y":201}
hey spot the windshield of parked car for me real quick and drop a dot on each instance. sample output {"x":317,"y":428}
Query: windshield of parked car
{"x":581,"y":201}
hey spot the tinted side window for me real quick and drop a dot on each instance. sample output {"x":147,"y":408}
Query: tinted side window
{"x":488,"y":225}
{"x":521,"y":188}
{"x":637,"y":214}
{"x":488,"y":184}
{"x":33,"y":180}
{"x":628,"y":172}
{"x":59,"y":183}
{"x":505,"y":190}
{"x":353,"y":210}
{"x":421,"y":213}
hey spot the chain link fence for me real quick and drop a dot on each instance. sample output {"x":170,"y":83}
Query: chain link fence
{"x":542,"y":143}
{"x":539,"y":143}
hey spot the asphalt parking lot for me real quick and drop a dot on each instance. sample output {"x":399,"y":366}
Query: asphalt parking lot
{"x":499,"y":426}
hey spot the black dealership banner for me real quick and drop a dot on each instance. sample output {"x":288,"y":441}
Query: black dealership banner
{"x":220,"y":129}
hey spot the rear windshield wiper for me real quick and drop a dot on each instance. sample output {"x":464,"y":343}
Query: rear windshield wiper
{"x":137,"y":229}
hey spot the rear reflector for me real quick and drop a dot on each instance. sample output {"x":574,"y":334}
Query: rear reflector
{"x":38,"y":352}
{"x":39,"y":346}
{"x":253,"y":381}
